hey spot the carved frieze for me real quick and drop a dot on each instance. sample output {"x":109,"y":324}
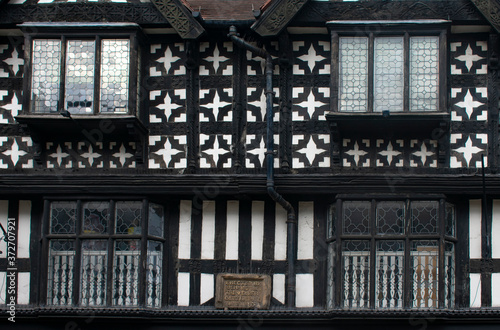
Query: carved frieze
{"x":277,"y":17}
{"x":491,"y":11}
{"x":180,"y":18}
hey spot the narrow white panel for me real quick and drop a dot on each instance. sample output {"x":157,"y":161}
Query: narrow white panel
{"x":475,"y":290}
{"x":183,"y":289}
{"x":257,"y":229}
{"x":232,"y":230}
{"x":495,"y":231}
{"x":208,"y":230}
{"x":475,"y":229}
{"x":3,"y":287}
{"x":207,"y":287}
{"x":185,"y":230}
{"x":24,"y":229}
{"x":279,"y":287}
{"x":280,"y":234}
{"x":4,"y":209}
{"x":23,"y":288}
{"x":305,"y":244}
{"x":495,"y":290}
{"x":305,"y":290}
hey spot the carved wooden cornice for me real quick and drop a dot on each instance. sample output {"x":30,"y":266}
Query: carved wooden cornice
{"x":277,"y":17}
{"x":180,"y":18}
{"x":491,"y":11}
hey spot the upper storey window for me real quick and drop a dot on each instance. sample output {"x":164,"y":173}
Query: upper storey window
{"x":80,"y":76}
{"x":389,"y":67}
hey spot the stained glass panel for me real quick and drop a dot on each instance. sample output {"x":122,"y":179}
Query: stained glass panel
{"x":46,"y":75}
{"x":115,"y":62}
{"x":60,"y":276}
{"x":390,"y":217}
{"x":128,"y":218}
{"x":356,"y":274}
{"x":388,"y":74}
{"x":79,"y":88}
{"x":424,"y":217}
{"x":389,"y":276}
{"x":62,"y":217}
{"x":353,"y":82}
{"x":154,"y":274}
{"x":425,"y":272}
{"x":424,"y":73}
{"x":126,"y":272}
{"x":95,"y":217}
{"x":94,"y":272}
{"x":356,"y":217}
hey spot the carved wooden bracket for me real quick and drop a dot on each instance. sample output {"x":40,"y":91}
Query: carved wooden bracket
{"x":277,"y":17}
{"x":490,"y":10}
{"x":180,"y":18}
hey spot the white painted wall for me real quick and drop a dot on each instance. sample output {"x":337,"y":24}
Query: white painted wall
{"x":208,"y":230}
{"x":23,"y":288}
{"x":495,"y":290}
{"x":279,"y":287}
{"x":257,"y":229}
{"x":4,"y":208}
{"x":305,"y":290}
{"x":475,"y":290}
{"x":305,"y":243}
{"x":206,"y":287}
{"x":183,"y":289}
{"x":185,"y":230}
{"x":3,"y":287}
{"x":24,"y":229}
{"x":475,"y":229}
{"x":495,"y":231}
{"x":232,"y":230}
{"x":280,"y":234}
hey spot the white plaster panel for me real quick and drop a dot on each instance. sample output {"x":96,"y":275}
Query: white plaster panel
{"x":208,"y":230}
{"x":24,"y":229}
{"x":305,"y":290}
{"x":475,"y":290}
{"x":280,"y":234}
{"x":4,"y":209}
{"x":475,"y":229}
{"x":257,"y":229}
{"x":279,"y":287}
{"x":183,"y":289}
{"x":495,"y":290}
{"x":232,"y":230}
{"x":23,"y":288}
{"x":495,"y":231}
{"x":185,"y":230}
{"x":305,"y":244}
{"x":3,"y":287}
{"x":206,"y":287}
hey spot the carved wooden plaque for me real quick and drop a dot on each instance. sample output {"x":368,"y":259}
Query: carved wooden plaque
{"x":243,"y":291}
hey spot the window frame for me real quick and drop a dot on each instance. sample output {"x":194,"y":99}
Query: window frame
{"x":405,"y":29}
{"x":335,"y":239}
{"x":144,"y":237}
{"x":85,"y":31}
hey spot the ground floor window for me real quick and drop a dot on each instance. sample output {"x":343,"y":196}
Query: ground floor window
{"x":104,"y":252}
{"x":391,"y":254}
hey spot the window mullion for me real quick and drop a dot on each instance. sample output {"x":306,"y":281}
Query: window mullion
{"x":371,"y":75}
{"x":111,"y":254}
{"x":408,"y":279}
{"x":97,"y":76}
{"x":373,"y":249}
{"x":78,"y":255}
{"x":406,"y":96}
{"x":62,"y":82}
{"x":441,"y":274}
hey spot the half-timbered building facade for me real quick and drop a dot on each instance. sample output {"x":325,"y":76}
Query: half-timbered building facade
{"x":348,"y":150}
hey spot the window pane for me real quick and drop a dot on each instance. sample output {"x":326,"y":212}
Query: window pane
{"x":450,"y":220}
{"x":115,"y":61}
{"x":331,"y":273}
{"x":353,"y":84}
{"x":128,"y":218}
{"x":62,"y":217}
{"x":60,"y":277}
{"x":94,"y":272}
{"x":424,"y":266}
{"x":424,"y":73}
{"x":156,"y":219}
{"x":332,"y":222}
{"x":356,"y":274}
{"x":424,"y":217}
{"x":153,"y":274}
{"x":356,"y":218}
{"x":126,"y":272}
{"x":46,"y":75}
{"x":95,"y":217}
{"x":390,"y":217}
{"x":449,"y":275}
{"x":79,"y":79}
{"x":389,"y":274}
{"x":388,"y":74}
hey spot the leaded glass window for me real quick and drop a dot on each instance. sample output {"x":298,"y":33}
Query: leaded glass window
{"x":104,"y":253}
{"x":388,"y":254}
{"x":66,"y":73}
{"x":395,"y":73}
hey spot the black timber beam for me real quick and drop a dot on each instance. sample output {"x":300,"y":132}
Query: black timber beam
{"x":277,"y":17}
{"x":180,"y":17}
{"x":490,"y":10}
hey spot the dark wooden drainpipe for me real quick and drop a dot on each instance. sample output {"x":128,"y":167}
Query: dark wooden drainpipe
{"x":290,"y":212}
